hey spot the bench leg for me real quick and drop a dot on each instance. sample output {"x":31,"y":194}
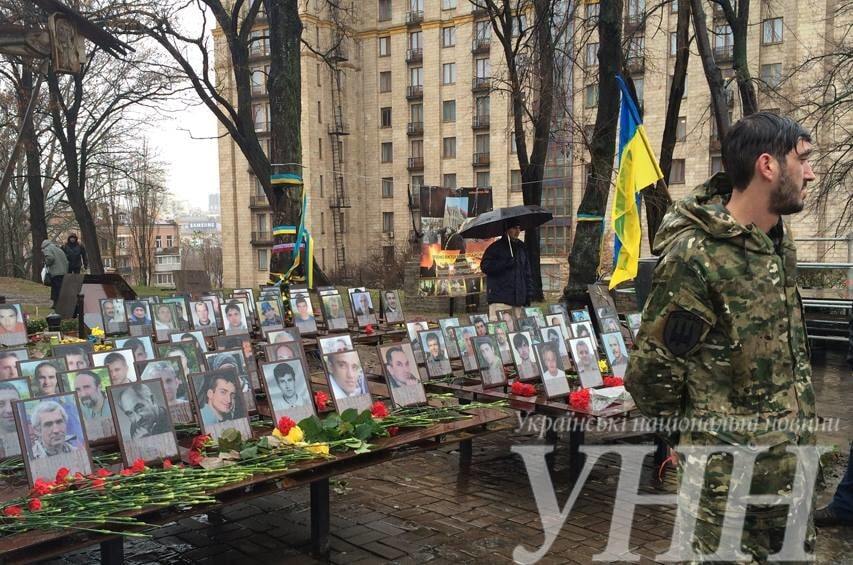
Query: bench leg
{"x":112,"y":551}
{"x":551,"y":438}
{"x":320,"y":517}
{"x":576,"y":439}
{"x":466,"y":451}
{"x":661,"y":452}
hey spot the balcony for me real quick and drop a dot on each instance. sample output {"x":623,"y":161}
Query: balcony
{"x":416,"y":164}
{"x":478,"y":10}
{"x":480,"y":121}
{"x":480,"y":159}
{"x":414,"y":55}
{"x":635,"y":65}
{"x":415,"y":128}
{"x":718,"y":12}
{"x":414,"y":92}
{"x":714,"y":143}
{"x":634,"y":22}
{"x":481,"y":45}
{"x":339,"y":53}
{"x":414,"y":17}
{"x":261,"y":238}
{"x":480,"y":84}
{"x":724,"y":54}
{"x":258,"y":201}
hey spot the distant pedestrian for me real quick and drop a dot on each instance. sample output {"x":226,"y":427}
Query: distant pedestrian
{"x":57,"y":266}
{"x":76,"y":254}
{"x":508,"y":279}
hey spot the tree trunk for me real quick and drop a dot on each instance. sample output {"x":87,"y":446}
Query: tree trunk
{"x":38,"y":224}
{"x":585,"y":254}
{"x":740,"y":29}
{"x":712,"y":71}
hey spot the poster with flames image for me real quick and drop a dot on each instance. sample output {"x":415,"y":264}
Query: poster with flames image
{"x":450,"y":264}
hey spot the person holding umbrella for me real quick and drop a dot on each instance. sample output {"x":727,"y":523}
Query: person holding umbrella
{"x":507,"y":270}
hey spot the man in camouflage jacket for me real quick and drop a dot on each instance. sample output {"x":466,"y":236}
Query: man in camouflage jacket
{"x":723,"y":334}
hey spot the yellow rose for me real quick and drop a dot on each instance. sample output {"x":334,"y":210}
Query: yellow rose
{"x":295,"y":435}
{"x":321,"y":448}
{"x":277,"y":433}
{"x":602,"y":365}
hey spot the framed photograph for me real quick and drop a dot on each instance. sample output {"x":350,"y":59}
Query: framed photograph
{"x":175,"y":386}
{"x":558,"y":309}
{"x":362,"y":307}
{"x":435,"y":353}
{"x":609,"y":324}
{"x":285,"y":335}
{"x":528,"y":324}
{"x":196,"y":336}
{"x":581,"y":315}
{"x":142,"y":347}
{"x":248,"y":307}
{"x":216,"y":299}
{"x":401,"y":374}
{"x":243,"y":342}
{"x":44,"y":376}
{"x":181,"y":309}
{"x":220,"y":403}
{"x":10,"y":391}
{"x":234,"y":317}
{"x":614,"y":348}
{"x":203,"y":317}
{"x":554,"y":335}
{"x":536,"y":313}
{"x":77,"y":355}
{"x":553,"y":370}
{"x":392,"y":310}
{"x":501,"y":333}
{"x":288,"y":390}
{"x":586,"y":361}
{"x":524,"y":355}
{"x":91,"y":388}
{"x":464,"y":335}
{"x":634,"y":319}
{"x":13,"y":327}
{"x":583,"y":329}
{"x":448,"y":327}
{"x":52,"y":435}
{"x":303,"y":315}
{"x":192,"y":360}
{"x":283,"y":351}
{"x":601,"y":300}
{"x":119,"y":362}
{"x":347,"y":382}
{"x":412,"y":329}
{"x":489,"y":361}
{"x":138,"y":314}
{"x":333,"y":312}
{"x":143,"y":422}
{"x":113,"y":315}
{"x":9,"y":364}
{"x":481,"y":324}
{"x":249,"y":293}
{"x":234,"y":359}
{"x":165,"y":320}
{"x":559,"y":320}
{"x":270,"y":315}
{"x":335,"y":344}
{"x":508,"y":316}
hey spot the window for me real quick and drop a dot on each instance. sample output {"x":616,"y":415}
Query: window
{"x":591,"y":12}
{"x":387,"y":222}
{"x":165,"y":279}
{"x":448,"y":4}
{"x":482,"y":180}
{"x":169,"y":241}
{"x":259,"y":79}
{"x":519,"y":25}
{"x":676,"y":174}
{"x":669,"y":85}
{"x":416,"y":182}
{"x":515,"y":180}
{"x":261,"y":116}
{"x":416,"y":76}
{"x":635,"y":46}
{"x":513,"y":143}
{"x":261,"y":222}
{"x":416,"y":148}
{"x":263,"y":259}
{"x":416,"y":40}
{"x":385,"y":46}
{"x":448,"y":73}
{"x":448,"y":148}
{"x":771,"y":74}
{"x":387,"y":152}
{"x":636,"y":8}
{"x":384,"y":10}
{"x":673,"y":7}
{"x":416,"y":113}
{"x":681,"y":129}
{"x":673,"y":43}
{"x":385,"y":117}
{"x":319,"y":112}
{"x":448,"y":111}
{"x":449,"y":180}
{"x":771,"y":31}
{"x":723,"y":37}
{"x":591,"y":54}
{"x":385,"y":81}
{"x":158,"y":242}
{"x":639,"y":87}
{"x":322,"y":223}
{"x":319,"y":75}
{"x":481,"y":143}
{"x":416,"y":5}
{"x":388,"y":187}
{"x":590,"y":97}
{"x":259,"y":43}
{"x":388,"y":252}
{"x":320,"y":147}
{"x":448,"y":36}
{"x":716,"y":164}
{"x":482,"y":68}
{"x":483,"y":30}
{"x":481,"y":106}
{"x":321,"y":186}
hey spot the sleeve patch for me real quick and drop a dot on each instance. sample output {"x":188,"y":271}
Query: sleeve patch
{"x":682,"y":332}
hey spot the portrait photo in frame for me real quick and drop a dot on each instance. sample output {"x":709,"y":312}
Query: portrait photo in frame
{"x":334,"y":313}
{"x":139,"y":322}
{"x":362,"y":308}
{"x":508,"y":316}
{"x":143,"y":422}
{"x":192,"y":360}
{"x":44,"y":375}
{"x":284,"y":351}
{"x":234,"y":318}
{"x":77,"y":355}
{"x":554,"y":335}
{"x":609,"y":324}
{"x":448,"y":327}
{"x":285,"y":335}
{"x":204,"y":317}
{"x":464,"y":335}
{"x":234,"y":359}
{"x":13,"y":325}
{"x":501,"y":333}
{"x":165,"y":320}
{"x":581,"y":315}
{"x":288,"y":389}
{"x":181,"y":309}
{"x":617,"y":356}
{"x":524,"y":356}
{"x":91,"y":388}
{"x":586,"y":361}
{"x":11,"y":391}
{"x":303,"y":314}
{"x":335,"y":344}
{"x":196,"y":336}
{"x":347,"y":382}
{"x":220,"y":403}
{"x":113,"y":315}
{"x":120,"y":364}
{"x":489,"y":361}
{"x":270,"y":315}
{"x":9,"y":362}
{"x":401,"y":374}
{"x":170,"y":372}
{"x":435,"y":353}
{"x":552,"y":369}
{"x":142,"y":347}
{"x":52,"y":435}
{"x":392,"y":308}
{"x":244,"y":342}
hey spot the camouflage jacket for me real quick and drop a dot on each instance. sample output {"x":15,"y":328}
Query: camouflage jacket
{"x":723,"y":333}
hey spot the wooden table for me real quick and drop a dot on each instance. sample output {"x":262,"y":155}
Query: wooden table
{"x":38,"y":545}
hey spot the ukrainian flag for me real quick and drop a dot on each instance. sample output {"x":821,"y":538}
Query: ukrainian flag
{"x":638,"y":168}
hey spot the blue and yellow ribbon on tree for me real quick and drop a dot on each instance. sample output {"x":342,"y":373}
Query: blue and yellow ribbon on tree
{"x":304,"y":241}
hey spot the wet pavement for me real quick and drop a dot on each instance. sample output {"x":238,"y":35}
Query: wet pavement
{"x":421,"y":508}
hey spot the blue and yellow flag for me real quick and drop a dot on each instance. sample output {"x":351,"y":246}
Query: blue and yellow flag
{"x":638,"y":168}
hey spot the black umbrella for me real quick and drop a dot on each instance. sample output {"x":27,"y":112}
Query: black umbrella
{"x":496,"y":222}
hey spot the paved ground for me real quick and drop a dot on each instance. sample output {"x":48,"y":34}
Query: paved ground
{"x":421,"y":509}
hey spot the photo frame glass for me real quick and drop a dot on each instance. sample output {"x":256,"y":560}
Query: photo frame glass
{"x":508,"y":317}
{"x":270,"y":315}
{"x":284,"y":351}
{"x":586,"y":361}
{"x":285,"y":335}
{"x":143,"y":422}
{"x":142,"y":347}
{"x":175,"y":386}
{"x":401,"y":374}
{"x":552,"y":369}
{"x":244,"y":342}
{"x":91,"y":388}
{"x":11,"y":391}
{"x":347,"y":381}
{"x":138,"y":313}
{"x":392,"y":308}
{"x":192,"y":360}
{"x":464,"y":335}
{"x":303,"y":314}
{"x":435,"y":352}
{"x":609,"y":324}
{"x":203,"y":316}
{"x":333,"y":312}
{"x":362,"y":307}
{"x":617,"y":353}
{"x":501,"y":333}
{"x":182,"y":311}
{"x":234,"y":359}
{"x":524,"y":355}
{"x":335,"y":344}
{"x":448,"y":327}
{"x":581,"y":315}
{"x":554,"y":335}
{"x":113,"y":315}
{"x":196,"y":336}
{"x":234,"y":318}
{"x":13,"y":325}
{"x":45,"y":376}
{"x":120,"y":364}
{"x":220,"y":403}
{"x":288,"y":390}
{"x":77,"y":355}
{"x":489,"y":360}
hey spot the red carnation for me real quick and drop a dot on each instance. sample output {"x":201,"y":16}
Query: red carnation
{"x":523,"y":389}
{"x":368,"y":329}
{"x":613,"y":381}
{"x":285,"y":424}
{"x":393,"y":430}
{"x":62,"y":474}
{"x":579,"y":399}
{"x":12,"y":511}
{"x":42,"y":487}
{"x":167,"y":464}
{"x":200,"y":441}
{"x":103,"y":473}
{"x":379,"y":411}
{"x":194,"y":457}
{"x":78,"y":476}
{"x":35,"y":504}
{"x":321,"y":399}
{"x":98,"y":484}
{"x":138,"y":466}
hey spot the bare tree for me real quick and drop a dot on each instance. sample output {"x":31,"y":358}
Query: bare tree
{"x":145,"y":193}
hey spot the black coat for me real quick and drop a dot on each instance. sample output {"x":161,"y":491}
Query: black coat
{"x":76,"y":255}
{"x":508,"y":278}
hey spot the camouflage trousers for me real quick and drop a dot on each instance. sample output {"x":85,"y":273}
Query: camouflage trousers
{"x":757,"y":542}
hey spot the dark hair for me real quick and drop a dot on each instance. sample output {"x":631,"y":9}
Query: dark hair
{"x":75,"y":350}
{"x":283,"y":370}
{"x":300,"y":300}
{"x":391,"y":351}
{"x":92,"y":374}
{"x":519,"y":339}
{"x":232,"y":306}
{"x":44,"y":364}
{"x":10,"y":386}
{"x":5,"y":354}
{"x":113,"y":357}
{"x":9,"y":307}
{"x":762,"y":132}
{"x":134,"y":343}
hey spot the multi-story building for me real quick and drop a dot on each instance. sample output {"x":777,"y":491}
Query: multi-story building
{"x":165,"y":249}
{"x":411,"y":103}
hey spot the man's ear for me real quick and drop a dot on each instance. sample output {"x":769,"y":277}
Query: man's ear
{"x":766,"y":167}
